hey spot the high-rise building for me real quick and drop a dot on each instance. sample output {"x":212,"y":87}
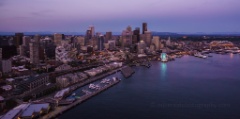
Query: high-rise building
{"x":108,"y":36}
{"x":34,"y":50}
{"x":88,"y":37}
{"x":144,"y":27}
{"x":100,"y":42}
{"x":127,"y":37}
{"x":156,"y":42}
{"x":148,"y":38}
{"x":26,"y":41}
{"x":92,"y":31}
{"x":18,"y":39}
{"x":58,"y":38}
{"x":136,"y":34}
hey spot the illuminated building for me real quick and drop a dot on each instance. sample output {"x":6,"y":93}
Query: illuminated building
{"x":127,"y":37}
{"x":164,"y":57}
{"x":141,"y":46}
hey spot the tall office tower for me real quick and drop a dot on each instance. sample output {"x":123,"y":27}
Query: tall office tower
{"x":92,"y":29}
{"x":136,"y":34}
{"x":156,"y":42}
{"x":100,"y":42}
{"x":127,"y":37}
{"x":34,"y":53}
{"x":88,"y":37}
{"x":18,"y":39}
{"x":26,"y":40}
{"x":58,"y":38}
{"x":148,"y":38}
{"x":34,"y":50}
{"x":108,"y":36}
{"x":144,"y":27}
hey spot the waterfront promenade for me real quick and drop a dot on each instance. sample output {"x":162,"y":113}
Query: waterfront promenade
{"x":59,"y":110}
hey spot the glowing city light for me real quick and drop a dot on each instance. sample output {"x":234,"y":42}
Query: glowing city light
{"x":163,"y":57}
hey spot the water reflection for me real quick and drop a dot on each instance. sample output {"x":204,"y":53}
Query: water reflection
{"x":231,"y":55}
{"x":163,"y":71}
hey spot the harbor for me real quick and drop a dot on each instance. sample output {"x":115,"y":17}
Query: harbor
{"x":60,"y":109}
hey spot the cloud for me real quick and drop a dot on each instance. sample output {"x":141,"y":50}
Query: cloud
{"x":42,"y":13}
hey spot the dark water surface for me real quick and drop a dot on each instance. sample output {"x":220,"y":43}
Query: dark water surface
{"x":187,"y":88}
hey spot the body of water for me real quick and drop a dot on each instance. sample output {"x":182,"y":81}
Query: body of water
{"x":187,"y":88}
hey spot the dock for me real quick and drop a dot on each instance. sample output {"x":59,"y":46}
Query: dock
{"x":61,"y":109}
{"x":127,"y":71}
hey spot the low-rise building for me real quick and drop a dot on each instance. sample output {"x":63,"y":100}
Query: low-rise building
{"x":69,"y":79}
{"x":27,"y":111}
{"x":63,"y":67}
{"x":33,"y":82}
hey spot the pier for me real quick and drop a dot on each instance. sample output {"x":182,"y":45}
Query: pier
{"x":61,"y":109}
{"x":127,"y":71}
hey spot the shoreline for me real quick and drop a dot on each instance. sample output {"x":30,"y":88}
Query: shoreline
{"x":61,"y":109}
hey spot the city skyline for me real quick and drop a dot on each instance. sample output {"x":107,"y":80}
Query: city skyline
{"x":107,"y":15}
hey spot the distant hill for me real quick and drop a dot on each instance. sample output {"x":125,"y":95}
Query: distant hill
{"x":154,"y":33}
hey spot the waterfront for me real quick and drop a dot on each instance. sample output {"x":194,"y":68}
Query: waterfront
{"x":188,"y":87}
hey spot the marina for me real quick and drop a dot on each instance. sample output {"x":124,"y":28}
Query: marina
{"x":59,"y":110}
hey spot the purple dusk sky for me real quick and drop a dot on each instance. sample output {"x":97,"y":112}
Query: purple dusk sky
{"x":115,"y":15}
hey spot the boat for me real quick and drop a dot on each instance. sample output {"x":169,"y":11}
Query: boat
{"x":200,"y":55}
{"x":73,"y":94}
{"x":86,"y":91}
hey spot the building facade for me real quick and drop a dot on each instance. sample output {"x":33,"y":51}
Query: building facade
{"x":6,"y":66}
{"x":144,"y":28}
{"x":34,"y":53}
{"x":127,"y":37}
{"x":58,"y":38}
